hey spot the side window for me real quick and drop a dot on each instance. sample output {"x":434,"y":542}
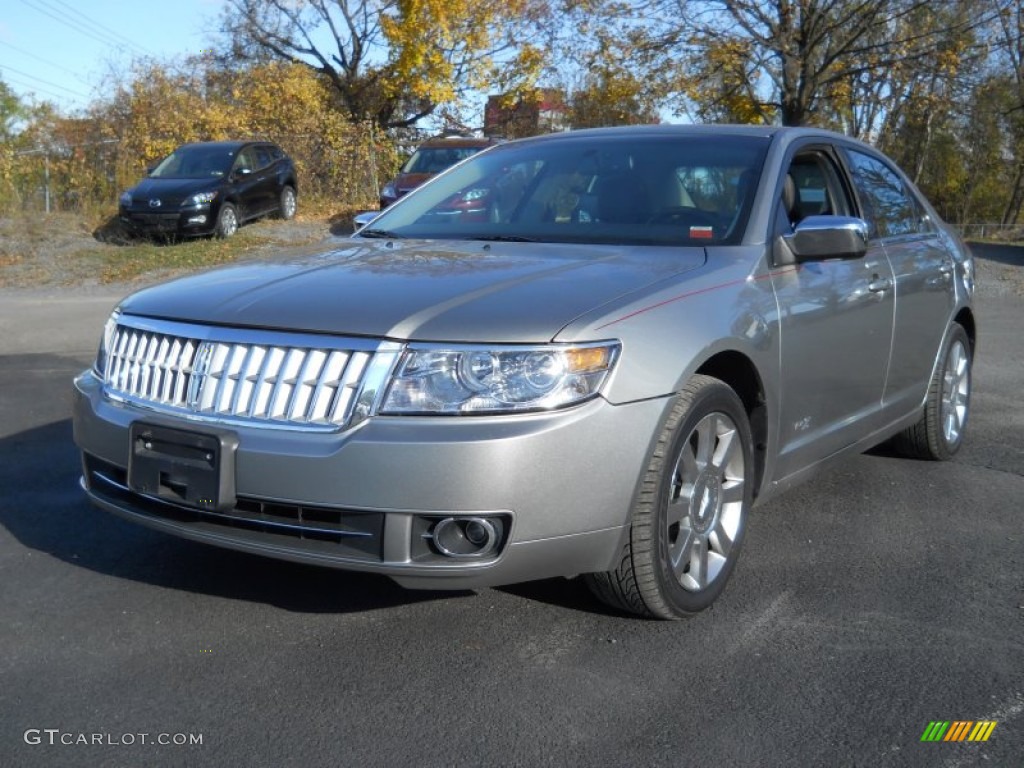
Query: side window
{"x":813,"y":187}
{"x":245,"y":161}
{"x":262,"y":157}
{"x":890,"y":206}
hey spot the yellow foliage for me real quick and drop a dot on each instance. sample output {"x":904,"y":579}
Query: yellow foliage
{"x":439,"y":47}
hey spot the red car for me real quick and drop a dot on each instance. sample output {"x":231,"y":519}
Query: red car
{"x":429,"y":159}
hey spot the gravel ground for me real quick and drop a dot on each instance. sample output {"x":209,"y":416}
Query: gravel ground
{"x":1000,"y":269}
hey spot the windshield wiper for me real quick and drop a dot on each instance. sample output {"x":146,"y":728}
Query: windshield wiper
{"x":378,"y":233}
{"x":504,"y":238}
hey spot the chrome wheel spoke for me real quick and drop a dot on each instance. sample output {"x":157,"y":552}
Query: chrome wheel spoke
{"x":732,"y":492}
{"x":727,"y":529}
{"x":679,"y":554}
{"x":699,"y":562}
{"x":706,"y":433}
{"x":677,"y":509}
{"x":727,"y":448}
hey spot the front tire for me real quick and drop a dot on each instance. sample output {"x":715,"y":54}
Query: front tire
{"x":940,"y":431}
{"x":227,"y":221}
{"x":689,"y":516}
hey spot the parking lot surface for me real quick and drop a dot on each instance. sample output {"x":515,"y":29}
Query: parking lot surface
{"x":881,"y":596}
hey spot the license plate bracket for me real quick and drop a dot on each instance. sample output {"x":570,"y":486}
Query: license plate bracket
{"x":196,"y":469}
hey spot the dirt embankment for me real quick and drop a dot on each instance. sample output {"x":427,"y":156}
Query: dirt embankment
{"x":69,"y":252}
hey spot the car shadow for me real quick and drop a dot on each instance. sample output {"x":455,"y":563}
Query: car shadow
{"x":566,"y":594}
{"x":45,"y":510}
{"x":112,"y":232}
{"x":341,"y":224}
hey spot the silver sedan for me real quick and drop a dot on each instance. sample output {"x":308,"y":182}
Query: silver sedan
{"x":586,"y":353}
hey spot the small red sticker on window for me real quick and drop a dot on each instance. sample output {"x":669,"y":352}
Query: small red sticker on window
{"x":702,"y":233}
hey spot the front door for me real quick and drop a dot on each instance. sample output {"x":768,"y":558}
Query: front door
{"x":836,"y":322}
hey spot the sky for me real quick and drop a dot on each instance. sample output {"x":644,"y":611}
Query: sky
{"x":60,"y":50}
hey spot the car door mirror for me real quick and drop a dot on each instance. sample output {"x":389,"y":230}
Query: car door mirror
{"x":817,"y":238}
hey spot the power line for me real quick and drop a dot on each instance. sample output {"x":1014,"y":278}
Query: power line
{"x":105,"y":40}
{"x":47,"y":82}
{"x":102,"y":28}
{"x":44,"y":61}
{"x":33,"y":88}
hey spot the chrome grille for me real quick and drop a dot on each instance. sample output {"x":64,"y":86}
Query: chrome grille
{"x":291,"y":379}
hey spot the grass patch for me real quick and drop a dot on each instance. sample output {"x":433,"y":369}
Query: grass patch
{"x":66,"y":249}
{"x":138,"y":257}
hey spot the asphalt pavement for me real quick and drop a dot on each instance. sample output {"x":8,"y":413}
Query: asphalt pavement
{"x":881,"y":596}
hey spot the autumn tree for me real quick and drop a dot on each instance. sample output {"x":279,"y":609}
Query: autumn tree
{"x":810,"y":52}
{"x":392,"y":62}
{"x":1011,"y":49}
{"x":11,"y":112}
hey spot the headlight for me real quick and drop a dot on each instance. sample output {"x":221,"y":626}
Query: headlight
{"x":202,"y":198}
{"x":469,"y":380}
{"x":126,"y":199}
{"x":105,"y":343}
{"x":389,"y":191}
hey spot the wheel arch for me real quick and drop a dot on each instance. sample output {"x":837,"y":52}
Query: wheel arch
{"x":741,"y":375}
{"x":965,"y":318}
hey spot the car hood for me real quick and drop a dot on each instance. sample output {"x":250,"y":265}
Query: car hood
{"x":407,"y":181}
{"x":170,"y":191}
{"x":427,"y":291}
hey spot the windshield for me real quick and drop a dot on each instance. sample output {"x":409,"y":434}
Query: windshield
{"x":437,"y":159}
{"x":196,"y":162}
{"x":627,"y":189}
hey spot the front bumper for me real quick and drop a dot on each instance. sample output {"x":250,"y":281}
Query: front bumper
{"x":561,"y":483}
{"x":195,"y":220}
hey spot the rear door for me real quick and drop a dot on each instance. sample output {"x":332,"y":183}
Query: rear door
{"x":246,"y":184}
{"x":923,"y":271}
{"x":267,"y":188}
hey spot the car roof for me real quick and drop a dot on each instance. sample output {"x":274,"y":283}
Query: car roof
{"x":783,"y":133}
{"x":234,"y":144}
{"x":459,"y":141}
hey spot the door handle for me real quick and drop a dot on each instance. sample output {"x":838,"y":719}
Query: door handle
{"x":878,"y":285}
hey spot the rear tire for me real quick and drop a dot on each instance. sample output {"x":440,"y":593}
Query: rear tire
{"x":940,"y":431}
{"x":689,"y":516}
{"x":286,"y":204}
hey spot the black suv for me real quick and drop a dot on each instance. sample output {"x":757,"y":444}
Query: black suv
{"x":211,"y":188}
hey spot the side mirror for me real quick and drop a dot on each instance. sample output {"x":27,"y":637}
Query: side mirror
{"x":818,"y":238}
{"x":242,"y":172}
{"x":360,"y":220}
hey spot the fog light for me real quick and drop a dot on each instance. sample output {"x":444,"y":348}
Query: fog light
{"x":466,"y":537}
{"x":197,"y":220}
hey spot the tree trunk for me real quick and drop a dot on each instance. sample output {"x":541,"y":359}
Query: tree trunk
{"x":1013,"y":205}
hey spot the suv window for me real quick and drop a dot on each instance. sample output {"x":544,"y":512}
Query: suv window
{"x":891,"y":208}
{"x":246,"y":160}
{"x":263,"y":158}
